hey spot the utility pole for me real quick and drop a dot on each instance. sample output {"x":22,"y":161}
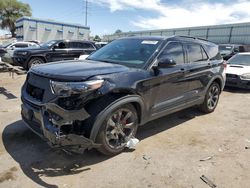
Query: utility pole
{"x":86,"y":12}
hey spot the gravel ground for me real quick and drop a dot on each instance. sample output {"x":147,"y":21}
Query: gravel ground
{"x":168,"y":154}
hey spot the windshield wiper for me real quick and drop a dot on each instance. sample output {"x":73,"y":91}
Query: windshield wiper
{"x":103,"y":60}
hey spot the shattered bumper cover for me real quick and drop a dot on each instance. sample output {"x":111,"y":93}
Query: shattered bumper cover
{"x":38,"y":120}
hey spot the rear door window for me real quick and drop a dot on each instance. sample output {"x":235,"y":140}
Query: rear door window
{"x":73,"y":45}
{"x":21,"y":45}
{"x":86,"y":45}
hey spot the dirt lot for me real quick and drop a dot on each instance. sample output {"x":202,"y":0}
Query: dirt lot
{"x":172,"y":148}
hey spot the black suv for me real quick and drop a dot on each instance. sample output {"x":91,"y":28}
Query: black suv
{"x":99,"y":102}
{"x":55,"y":50}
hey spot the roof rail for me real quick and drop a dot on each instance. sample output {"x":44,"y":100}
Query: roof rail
{"x":193,"y":37}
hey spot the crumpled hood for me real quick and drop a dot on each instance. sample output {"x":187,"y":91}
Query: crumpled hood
{"x":237,"y":69}
{"x":76,"y":69}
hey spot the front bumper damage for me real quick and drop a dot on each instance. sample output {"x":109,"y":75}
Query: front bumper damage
{"x":38,"y":118}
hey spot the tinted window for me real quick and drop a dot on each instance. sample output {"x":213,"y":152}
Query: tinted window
{"x":86,"y":45}
{"x":81,"y":45}
{"x":195,"y":53}
{"x":73,"y":45}
{"x":174,"y":50}
{"x":213,"y":51}
{"x":62,"y":45}
{"x":21,"y":45}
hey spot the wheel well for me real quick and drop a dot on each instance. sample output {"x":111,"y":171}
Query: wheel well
{"x":41,"y":57}
{"x":138,"y":110}
{"x":218,"y":81}
{"x":136,"y":105}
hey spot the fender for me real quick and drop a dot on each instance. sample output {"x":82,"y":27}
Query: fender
{"x":121,"y":101}
{"x":222,"y":81}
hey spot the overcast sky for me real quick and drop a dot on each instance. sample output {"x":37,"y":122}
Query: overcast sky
{"x":105,"y":16}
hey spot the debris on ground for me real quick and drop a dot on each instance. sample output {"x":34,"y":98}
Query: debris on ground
{"x":6,"y":67}
{"x":247,"y":147}
{"x":145,"y":157}
{"x":132,"y":142}
{"x":207,"y":158}
{"x":208,"y":181}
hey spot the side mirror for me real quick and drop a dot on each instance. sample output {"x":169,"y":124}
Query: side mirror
{"x":236,"y":50}
{"x":54,"y":47}
{"x":166,"y":63}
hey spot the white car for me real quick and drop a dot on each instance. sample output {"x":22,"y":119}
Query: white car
{"x":82,"y":57}
{"x":10,"y":48}
{"x":238,"y":71}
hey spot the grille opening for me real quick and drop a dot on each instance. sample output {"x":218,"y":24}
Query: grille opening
{"x":231,"y":76}
{"x":35,"y":92}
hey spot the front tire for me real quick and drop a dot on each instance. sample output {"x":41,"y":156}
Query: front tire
{"x":33,"y":62}
{"x":211,"y":98}
{"x":117,"y":128}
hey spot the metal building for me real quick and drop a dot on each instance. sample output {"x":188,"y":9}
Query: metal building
{"x":228,"y":33}
{"x":45,"y":30}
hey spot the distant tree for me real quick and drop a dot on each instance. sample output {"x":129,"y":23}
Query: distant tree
{"x":10,"y":11}
{"x":97,"y":38}
{"x":118,"y":31}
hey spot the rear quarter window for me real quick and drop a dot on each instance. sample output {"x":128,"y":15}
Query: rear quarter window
{"x":213,"y":52}
{"x":196,"y":52}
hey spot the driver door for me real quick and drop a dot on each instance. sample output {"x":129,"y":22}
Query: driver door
{"x":173,"y":86}
{"x":59,"y":52}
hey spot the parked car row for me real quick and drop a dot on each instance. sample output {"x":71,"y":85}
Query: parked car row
{"x":6,"y":51}
{"x":27,"y":54}
{"x":229,"y":50}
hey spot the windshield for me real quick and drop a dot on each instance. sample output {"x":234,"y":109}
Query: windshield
{"x":240,"y":59}
{"x":128,"y":52}
{"x":225,"y":49}
{"x":6,"y":45}
{"x":49,"y":44}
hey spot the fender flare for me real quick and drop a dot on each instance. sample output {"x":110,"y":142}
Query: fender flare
{"x":222,"y":82}
{"x":121,"y":101}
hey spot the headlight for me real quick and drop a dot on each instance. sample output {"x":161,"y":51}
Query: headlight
{"x":22,"y":53}
{"x":245,"y":76}
{"x":68,"y":88}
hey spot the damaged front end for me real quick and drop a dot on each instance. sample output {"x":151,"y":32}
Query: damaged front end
{"x":55,"y":111}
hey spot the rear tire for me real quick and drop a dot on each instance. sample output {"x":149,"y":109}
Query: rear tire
{"x":34,"y":61}
{"x":211,"y":98}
